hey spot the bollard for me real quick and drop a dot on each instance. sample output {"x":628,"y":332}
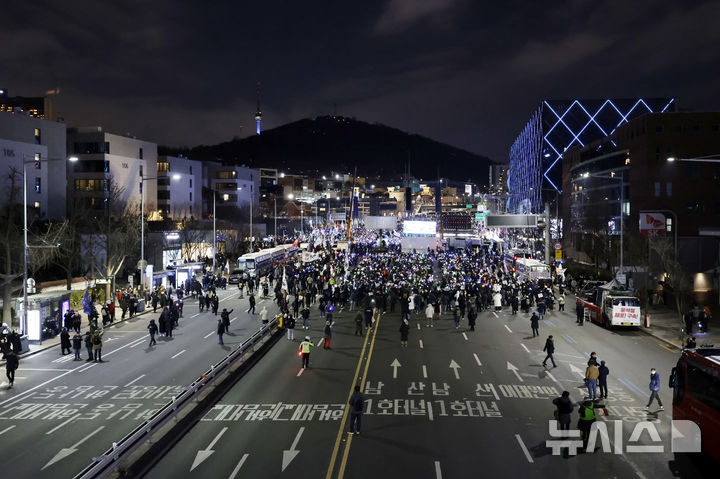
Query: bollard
{"x":647,"y":320}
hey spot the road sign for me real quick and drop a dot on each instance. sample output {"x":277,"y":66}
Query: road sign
{"x":479,"y":216}
{"x":468,"y":206}
{"x":102,"y":281}
{"x":558,"y":246}
{"x":558,"y":254}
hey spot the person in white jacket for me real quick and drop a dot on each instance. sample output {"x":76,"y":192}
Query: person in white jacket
{"x":264,"y":315}
{"x":429,"y":313}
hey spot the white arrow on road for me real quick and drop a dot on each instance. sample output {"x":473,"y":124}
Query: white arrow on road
{"x":66,"y":451}
{"x":576,"y":369}
{"x":203,"y":454}
{"x":289,"y":454}
{"x":455,"y":366}
{"x":514,"y":369}
{"x":395,"y":364}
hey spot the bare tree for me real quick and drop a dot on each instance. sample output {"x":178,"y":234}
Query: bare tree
{"x":677,"y":280}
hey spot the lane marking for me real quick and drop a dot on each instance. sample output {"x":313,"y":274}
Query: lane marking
{"x":664,"y":346}
{"x":569,"y":338}
{"x":418,"y":325}
{"x":421,"y":343}
{"x":438,"y":472}
{"x":209,"y":334}
{"x":127,"y":345}
{"x":431,"y":416}
{"x":424,"y":370}
{"x":343,"y":461}
{"x":196,"y":314}
{"x":629,"y":384}
{"x":549,"y":322}
{"x":59,"y":426}
{"x":496,"y":315}
{"x":6,"y":430}
{"x":553,"y":378}
{"x":45,"y":370}
{"x":477,"y":359}
{"x":178,"y":354}
{"x":239,"y":465}
{"x":465,"y":336}
{"x":134,"y":380}
{"x":87,"y":367}
{"x":506,"y":327}
{"x":525,"y":348}
{"x":525,"y":449}
{"x":320,"y":342}
{"x":233,"y":319}
{"x":300,"y":372}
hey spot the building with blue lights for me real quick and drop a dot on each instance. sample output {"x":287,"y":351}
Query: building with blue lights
{"x":535,"y":166}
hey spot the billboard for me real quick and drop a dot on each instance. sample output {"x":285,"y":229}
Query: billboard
{"x":652,"y":224}
{"x":511,"y":221}
{"x":412,"y":227}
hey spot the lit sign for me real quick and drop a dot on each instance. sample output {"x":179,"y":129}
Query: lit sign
{"x":420,"y":227}
{"x":468,"y":189}
{"x":33,"y":324}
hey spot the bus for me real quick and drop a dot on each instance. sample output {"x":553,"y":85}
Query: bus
{"x":696,"y":394}
{"x":261,"y":262}
{"x":533,"y":270}
{"x":513,"y":254}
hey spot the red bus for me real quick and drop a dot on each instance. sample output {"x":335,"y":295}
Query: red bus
{"x":696,"y":394}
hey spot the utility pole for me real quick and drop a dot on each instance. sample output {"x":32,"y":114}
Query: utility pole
{"x":547,"y":233}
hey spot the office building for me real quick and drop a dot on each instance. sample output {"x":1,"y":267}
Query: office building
{"x":27,"y":138}
{"x":179,"y":188}
{"x":36,"y":107}
{"x":235,"y":186}
{"x":534,"y":171}
{"x":110,"y":167}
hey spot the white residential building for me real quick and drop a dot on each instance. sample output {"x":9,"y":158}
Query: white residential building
{"x":234,"y":185}
{"x":179,"y":187}
{"x":25,"y":138}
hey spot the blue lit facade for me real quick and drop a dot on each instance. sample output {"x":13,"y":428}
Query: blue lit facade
{"x":557,"y":125}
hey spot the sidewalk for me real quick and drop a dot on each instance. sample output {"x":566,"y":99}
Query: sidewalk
{"x":666,"y":326}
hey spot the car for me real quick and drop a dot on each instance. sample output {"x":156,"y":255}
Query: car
{"x":235,"y":276}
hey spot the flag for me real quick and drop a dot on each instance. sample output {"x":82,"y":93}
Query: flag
{"x":227,"y":266}
{"x":87,"y":305}
{"x":284,"y":280}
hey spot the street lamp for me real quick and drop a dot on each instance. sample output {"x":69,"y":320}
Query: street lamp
{"x":142,"y":225}
{"x":26,"y":248}
{"x":700,"y":159}
{"x":622,"y":204}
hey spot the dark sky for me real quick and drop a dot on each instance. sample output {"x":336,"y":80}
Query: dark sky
{"x":466,"y":72}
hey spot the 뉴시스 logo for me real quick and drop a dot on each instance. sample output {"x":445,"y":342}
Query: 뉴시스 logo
{"x":685,"y":437}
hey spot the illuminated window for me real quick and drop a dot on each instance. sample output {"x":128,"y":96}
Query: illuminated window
{"x":37,"y":205}
{"x":37,"y":136}
{"x":37,"y":185}
{"x":37,"y":161}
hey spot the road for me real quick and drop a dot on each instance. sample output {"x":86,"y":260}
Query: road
{"x":453,"y":404}
{"x":61,"y":413}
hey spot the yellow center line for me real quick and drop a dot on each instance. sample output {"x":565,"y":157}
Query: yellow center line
{"x":666,"y":347}
{"x":341,"y":430}
{"x":343,"y":463}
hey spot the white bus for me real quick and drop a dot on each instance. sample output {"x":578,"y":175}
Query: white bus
{"x":261,"y":262}
{"x":532,"y":270}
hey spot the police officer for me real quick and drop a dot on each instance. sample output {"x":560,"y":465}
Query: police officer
{"x":587,"y":417}
{"x":305,"y":350}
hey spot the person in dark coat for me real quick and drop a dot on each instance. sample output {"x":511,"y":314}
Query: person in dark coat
{"x":602,"y":379}
{"x":77,"y":342}
{"x":11,"y":365}
{"x":328,"y":335}
{"x":356,"y":403}
{"x":359,"y":324}
{"x":225,"y":318}
{"x":152,"y":329}
{"x":404,"y":332}
{"x":64,"y":341}
{"x":214,"y":303}
{"x":162,"y":323}
{"x":534,"y":324}
{"x":550,"y":349}
{"x":251,"y":301}
{"x":220,"y":332}
{"x":472,"y":316}
{"x":89,"y":346}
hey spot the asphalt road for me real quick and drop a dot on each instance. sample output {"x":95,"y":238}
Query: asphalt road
{"x":61,"y":413}
{"x":453,"y":404}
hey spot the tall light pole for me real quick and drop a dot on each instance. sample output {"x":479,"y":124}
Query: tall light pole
{"x":26,"y":247}
{"x":142,"y":226}
{"x":275,"y":202}
{"x":214,"y":250}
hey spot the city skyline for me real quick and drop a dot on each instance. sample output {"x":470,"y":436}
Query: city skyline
{"x":464,"y":74}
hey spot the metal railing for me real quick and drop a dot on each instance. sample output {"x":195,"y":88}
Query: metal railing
{"x":122,"y":449}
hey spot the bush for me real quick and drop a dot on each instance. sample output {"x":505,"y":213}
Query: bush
{"x":76,"y":297}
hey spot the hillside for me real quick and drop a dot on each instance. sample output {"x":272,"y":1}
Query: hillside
{"x":338,"y":144}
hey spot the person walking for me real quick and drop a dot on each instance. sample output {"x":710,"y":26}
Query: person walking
{"x":591,"y":376}
{"x":305,"y":313}
{"x":654,"y":388}
{"x":535,"y":324}
{"x":64,"y":341}
{"x":359,"y":324}
{"x":472,"y":317}
{"x":356,"y":403}
{"x":561,"y":302}
{"x":550,"y":349}
{"x":77,"y":342}
{"x":225,"y":318}
{"x":89,"y":346}
{"x":603,"y":372}
{"x":11,"y":365}
{"x":328,"y":335}
{"x":214,"y":303}
{"x":153,"y":330}
{"x":251,"y":300}
{"x":304,"y":349}
{"x":429,"y":313}
{"x":404,"y":332}
{"x":456,"y":317}
{"x":220,"y":331}
{"x":290,"y":326}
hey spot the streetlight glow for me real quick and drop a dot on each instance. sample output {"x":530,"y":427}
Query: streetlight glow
{"x":73,"y":159}
{"x":670,"y":159}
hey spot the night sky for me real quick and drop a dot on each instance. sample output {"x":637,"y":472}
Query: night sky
{"x":464,"y":72}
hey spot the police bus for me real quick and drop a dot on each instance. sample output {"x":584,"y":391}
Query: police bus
{"x":533,"y":270}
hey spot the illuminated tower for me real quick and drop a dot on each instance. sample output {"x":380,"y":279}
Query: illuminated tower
{"x":258,"y":113}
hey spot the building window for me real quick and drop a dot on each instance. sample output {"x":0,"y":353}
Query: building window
{"x":190,"y":182}
{"x":90,"y":185}
{"x":37,"y":205}
{"x":37,"y":136}
{"x":38,"y":163}
{"x":141,"y":170}
{"x":163,"y":166}
{"x":140,"y":154}
{"x":668,"y":224}
{"x":163,"y":181}
{"x":191,"y":170}
{"x":163,"y":194}
{"x":668,"y":189}
{"x":226,"y":175}
{"x":225,"y":186}
{"x":191,"y":196}
{"x":692,"y":171}
{"x":37,"y":185}
{"x":657,"y":189}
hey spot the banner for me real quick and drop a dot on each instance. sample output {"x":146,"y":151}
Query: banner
{"x":87,"y":304}
{"x":652,"y":224}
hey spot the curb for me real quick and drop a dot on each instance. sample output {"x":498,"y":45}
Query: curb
{"x":666,"y":341}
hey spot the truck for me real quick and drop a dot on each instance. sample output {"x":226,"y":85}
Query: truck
{"x":609,"y":305}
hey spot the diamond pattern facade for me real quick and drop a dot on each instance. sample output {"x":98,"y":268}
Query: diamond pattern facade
{"x":535,"y":156}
